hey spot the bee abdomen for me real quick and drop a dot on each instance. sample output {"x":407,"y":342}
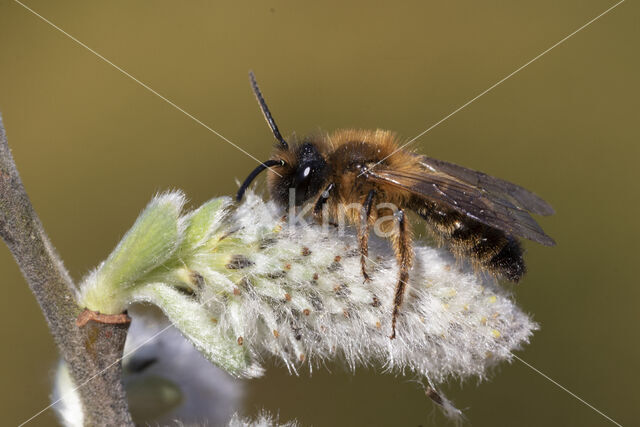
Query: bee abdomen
{"x":486,"y":247}
{"x":509,"y":260}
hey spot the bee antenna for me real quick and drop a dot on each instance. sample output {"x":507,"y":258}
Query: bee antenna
{"x":254,"y":174}
{"x":265,"y":111}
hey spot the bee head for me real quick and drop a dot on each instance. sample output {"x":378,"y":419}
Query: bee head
{"x":300,"y":167}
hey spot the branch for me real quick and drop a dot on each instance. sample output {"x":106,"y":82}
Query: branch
{"x":87,"y":350}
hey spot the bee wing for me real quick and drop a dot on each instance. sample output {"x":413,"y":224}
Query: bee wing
{"x":520,"y":197}
{"x":494,"y":209}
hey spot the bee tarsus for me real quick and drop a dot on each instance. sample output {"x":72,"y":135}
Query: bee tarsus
{"x":363,"y":232}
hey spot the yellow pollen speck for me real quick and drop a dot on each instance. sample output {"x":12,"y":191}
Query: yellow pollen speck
{"x":277,"y":228}
{"x":495,"y":333}
{"x":493,"y":299}
{"x":378,"y":325}
{"x":466,"y":307}
{"x":483,"y":320}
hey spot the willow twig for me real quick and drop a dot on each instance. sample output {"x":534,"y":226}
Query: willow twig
{"x":93,"y":351}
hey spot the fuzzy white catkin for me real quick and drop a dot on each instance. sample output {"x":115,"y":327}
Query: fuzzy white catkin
{"x":264,"y":419}
{"x":244,"y":286}
{"x":66,"y":399}
{"x":165,"y":378}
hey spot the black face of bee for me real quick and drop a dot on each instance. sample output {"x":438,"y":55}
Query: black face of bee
{"x":310,"y":174}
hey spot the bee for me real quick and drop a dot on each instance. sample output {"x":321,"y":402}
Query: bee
{"x":478,"y":217}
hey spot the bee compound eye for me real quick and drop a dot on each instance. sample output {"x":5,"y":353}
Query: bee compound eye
{"x":302,"y":182}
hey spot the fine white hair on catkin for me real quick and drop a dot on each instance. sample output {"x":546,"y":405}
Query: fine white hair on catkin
{"x":264,"y":419}
{"x":299,"y":296}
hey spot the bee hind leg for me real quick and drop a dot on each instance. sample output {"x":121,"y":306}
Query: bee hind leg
{"x":404,"y":255}
{"x":363,"y":233}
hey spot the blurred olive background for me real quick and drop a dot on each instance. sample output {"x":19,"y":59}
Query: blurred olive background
{"x":93,"y":146}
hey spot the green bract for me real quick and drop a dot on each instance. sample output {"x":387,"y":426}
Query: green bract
{"x":148,"y":244}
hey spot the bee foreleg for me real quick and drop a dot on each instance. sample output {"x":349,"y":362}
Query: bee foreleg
{"x":324,"y":196}
{"x":404,"y":256}
{"x":363,"y":232}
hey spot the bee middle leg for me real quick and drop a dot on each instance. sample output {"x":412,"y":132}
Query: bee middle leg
{"x":363,"y":232}
{"x":404,"y":255}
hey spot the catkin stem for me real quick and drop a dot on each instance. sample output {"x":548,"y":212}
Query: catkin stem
{"x":87,"y":350}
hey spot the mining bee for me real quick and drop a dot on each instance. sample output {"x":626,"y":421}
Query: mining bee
{"x":477,"y":216}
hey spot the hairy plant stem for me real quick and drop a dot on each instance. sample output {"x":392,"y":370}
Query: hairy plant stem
{"x":93,"y":351}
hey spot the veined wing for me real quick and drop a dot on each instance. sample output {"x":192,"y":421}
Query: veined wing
{"x":492,"y":208}
{"x":520,"y":197}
